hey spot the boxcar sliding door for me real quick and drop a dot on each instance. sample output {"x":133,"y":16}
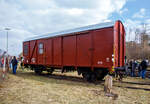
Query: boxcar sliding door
{"x":84,"y":46}
{"x":57,"y":51}
{"x":48,"y":51}
{"x":41,"y":52}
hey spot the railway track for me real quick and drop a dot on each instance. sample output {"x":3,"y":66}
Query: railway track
{"x":78,"y":79}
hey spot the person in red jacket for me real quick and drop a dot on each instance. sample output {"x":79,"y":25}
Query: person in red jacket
{"x":2,"y":60}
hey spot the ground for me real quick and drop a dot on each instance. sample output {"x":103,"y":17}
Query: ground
{"x":27,"y":88}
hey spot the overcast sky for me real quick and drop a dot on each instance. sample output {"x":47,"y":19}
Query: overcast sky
{"x":27,"y":18}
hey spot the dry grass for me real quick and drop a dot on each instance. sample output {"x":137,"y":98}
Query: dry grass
{"x":28,"y":88}
{"x":1,"y":75}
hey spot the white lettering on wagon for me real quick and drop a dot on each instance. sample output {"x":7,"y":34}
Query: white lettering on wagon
{"x":99,"y":62}
{"x":107,"y":59}
{"x":33,"y":60}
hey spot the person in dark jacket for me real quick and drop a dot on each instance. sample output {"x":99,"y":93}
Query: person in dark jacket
{"x":139,"y":70}
{"x":134,"y":65}
{"x":14,"y":64}
{"x":130,"y":66}
{"x":143,"y":68}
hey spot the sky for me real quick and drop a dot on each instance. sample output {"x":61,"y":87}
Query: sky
{"x":29,"y":18}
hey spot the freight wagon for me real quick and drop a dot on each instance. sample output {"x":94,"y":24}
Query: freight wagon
{"x":92,"y":50}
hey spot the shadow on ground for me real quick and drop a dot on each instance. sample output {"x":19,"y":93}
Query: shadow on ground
{"x":45,"y":78}
{"x":56,"y":78}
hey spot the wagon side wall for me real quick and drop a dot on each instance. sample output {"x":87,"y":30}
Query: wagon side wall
{"x":91,"y":49}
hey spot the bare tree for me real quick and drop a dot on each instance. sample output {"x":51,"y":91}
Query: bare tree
{"x":139,"y":47}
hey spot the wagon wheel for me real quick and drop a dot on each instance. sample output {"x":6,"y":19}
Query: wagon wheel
{"x":50,"y":71}
{"x":38,"y":71}
{"x":102,"y":75}
{"x":93,"y":77}
{"x":86,"y":76}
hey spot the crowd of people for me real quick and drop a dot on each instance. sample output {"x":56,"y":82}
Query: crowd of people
{"x":133,"y":66}
{"x":13,"y":62}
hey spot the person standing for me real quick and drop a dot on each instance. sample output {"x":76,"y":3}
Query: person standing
{"x":139,"y":70}
{"x":10,"y":62}
{"x":2,"y":61}
{"x":21,"y":62}
{"x":130,"y":67}
{"x":143,"y":67}
{"x":134,"y":64}
{"x":14,"y":64}
{"x":127,"y":68}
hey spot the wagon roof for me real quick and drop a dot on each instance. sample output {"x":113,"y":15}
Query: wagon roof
{"x":71,"y":31}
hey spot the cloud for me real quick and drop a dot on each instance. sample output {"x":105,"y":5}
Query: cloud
{"x":140,"y":14}
{"x":123,"y":10}
{"x":15,"y":38}
{"x":29,"y":17}
{"x":133,"y":25}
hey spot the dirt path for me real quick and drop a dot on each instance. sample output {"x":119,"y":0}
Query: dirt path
{"x":1,"y":75}
{"x":28,"y":88}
